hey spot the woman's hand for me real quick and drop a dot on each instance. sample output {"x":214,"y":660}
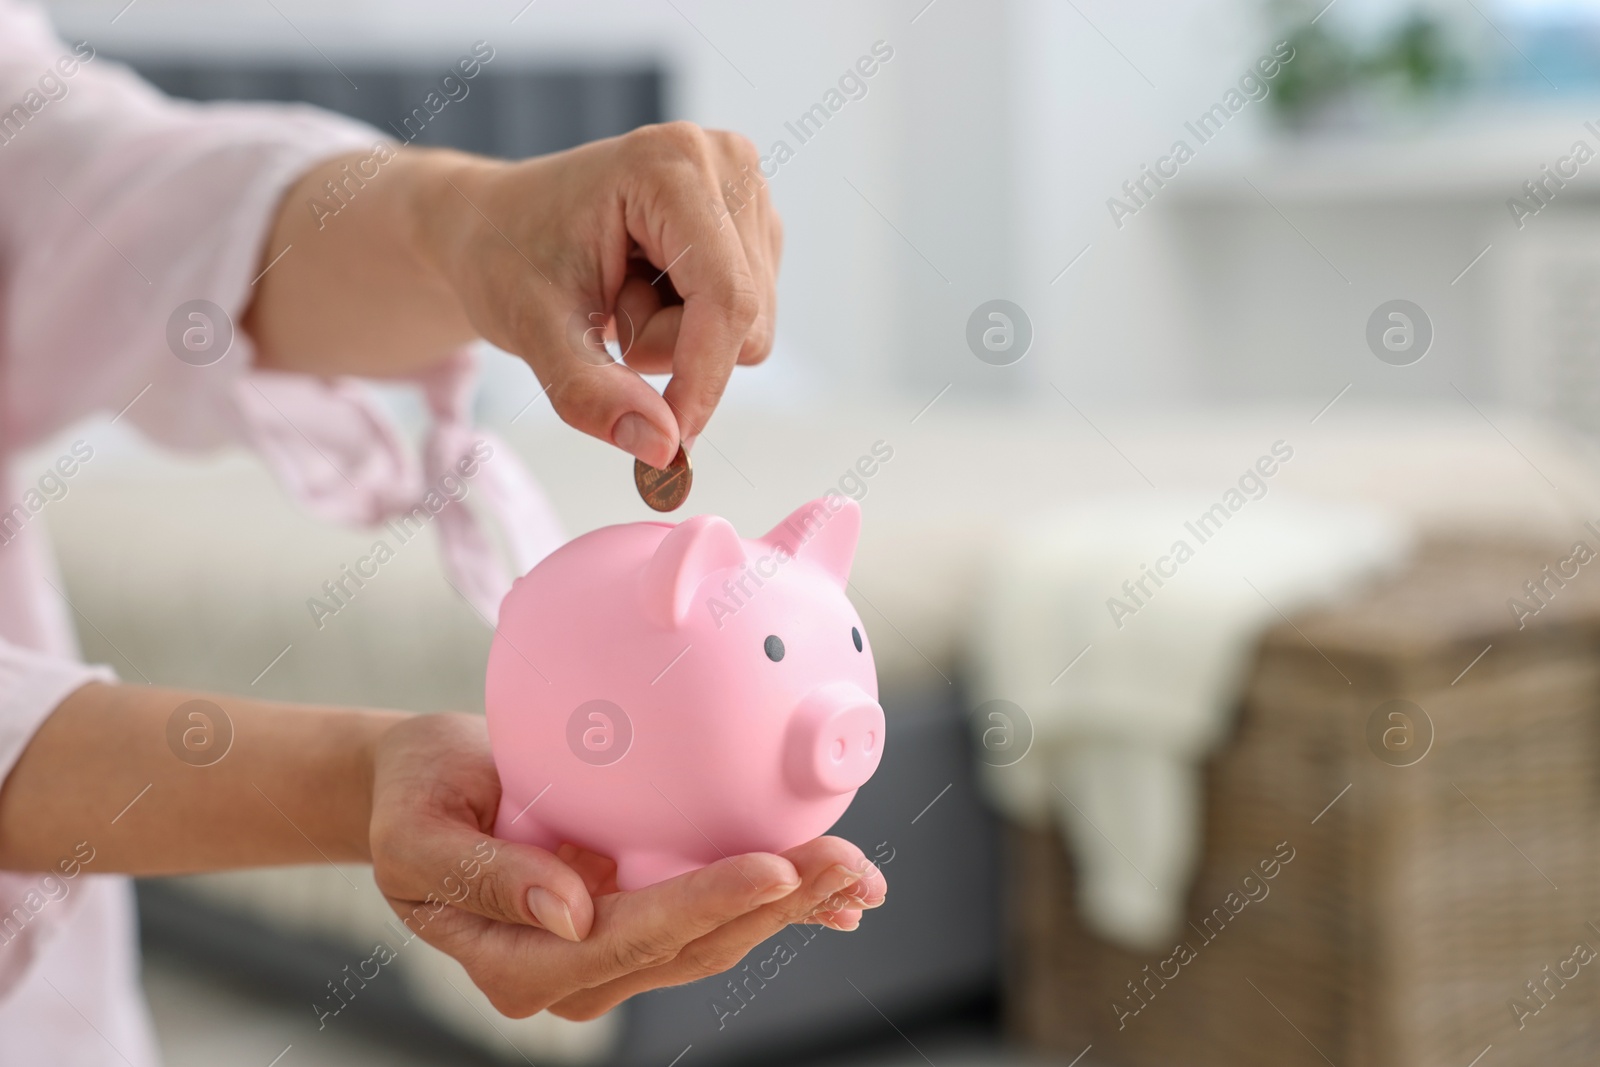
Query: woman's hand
{"x":416,"y":796}
{"x":668,"y":228}
{"x":663,"y":238}
{"x":536,"y":930}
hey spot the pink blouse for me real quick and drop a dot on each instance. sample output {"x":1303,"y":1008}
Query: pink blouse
{"x":117,"y":206}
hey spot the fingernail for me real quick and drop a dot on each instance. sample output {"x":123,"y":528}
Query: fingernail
{"x":836,"y":921}
{"x":859,"y":897}
{"x":639,"y":437}
{"x":552,"y":913}
{"x":835,"y":878}
{"x":776,"y":892}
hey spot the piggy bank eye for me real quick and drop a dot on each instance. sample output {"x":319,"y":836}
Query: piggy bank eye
{"x":774,"y":647}
{"x":855,"y":635}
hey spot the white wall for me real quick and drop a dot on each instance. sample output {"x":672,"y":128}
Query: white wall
{"x":1115,"y":327}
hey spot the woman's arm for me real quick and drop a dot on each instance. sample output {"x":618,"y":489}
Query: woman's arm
{"x":395,"y":256}
{"x":295,"y":785}
{"x":416,"y":796}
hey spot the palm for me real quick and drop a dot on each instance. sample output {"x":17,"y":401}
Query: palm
{"x":434,"y":800}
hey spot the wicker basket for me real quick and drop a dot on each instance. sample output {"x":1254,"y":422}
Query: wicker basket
{"x":1419,"y":899}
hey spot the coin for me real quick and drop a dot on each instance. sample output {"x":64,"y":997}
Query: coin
{"x":664,"y":489}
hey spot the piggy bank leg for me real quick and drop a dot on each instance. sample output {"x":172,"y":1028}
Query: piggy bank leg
{"x":635,"y":870}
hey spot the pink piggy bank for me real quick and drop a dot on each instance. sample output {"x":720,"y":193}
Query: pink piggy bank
{"x":671,"y":695}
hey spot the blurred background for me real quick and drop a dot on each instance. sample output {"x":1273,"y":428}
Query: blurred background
{"x":1089,"y":271}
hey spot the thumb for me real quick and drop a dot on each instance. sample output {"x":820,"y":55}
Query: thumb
{"x":505,"y":881}
{"x":602,"y":397}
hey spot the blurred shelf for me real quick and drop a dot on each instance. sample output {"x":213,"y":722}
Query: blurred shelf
{"x":1485,"y":153}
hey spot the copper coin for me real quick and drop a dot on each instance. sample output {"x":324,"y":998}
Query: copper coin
{"x":664,"y":489}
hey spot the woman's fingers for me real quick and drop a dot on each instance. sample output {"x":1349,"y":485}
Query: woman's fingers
{"x":536,"y":929}
{"x":646,"y":927}
{"x":596,"y":395}
{"x":454,"y":864}
{"x":434,"y":793}
{"x":833,"y":872}
{"x":593,"y":393}
{"x":666,"y":232}
{"x":772,"y":232}
{"x":677,"y":931}
{"x":844,"y":920}
{"x":647,"y":329}
{"x":750,"y":217}
{"x":598,"y":872}
{"x":524,"y":970}
{"x":671,"y":209}
{"x":750,"y":213}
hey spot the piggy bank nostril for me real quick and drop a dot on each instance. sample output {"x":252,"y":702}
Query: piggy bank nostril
{"x":871,"y":742}
{"x":838,"y":749}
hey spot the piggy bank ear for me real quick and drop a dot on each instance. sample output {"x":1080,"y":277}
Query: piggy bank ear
{"x":693,"y":550}
{"x":824,"y":531}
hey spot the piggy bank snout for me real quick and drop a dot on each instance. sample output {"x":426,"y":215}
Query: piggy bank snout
{"x":834,"y":742}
